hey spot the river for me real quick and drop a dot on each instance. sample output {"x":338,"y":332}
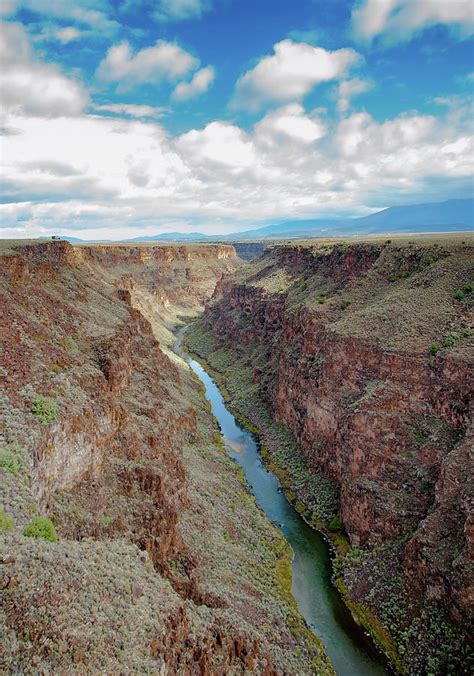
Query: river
{"x":350,"y":650}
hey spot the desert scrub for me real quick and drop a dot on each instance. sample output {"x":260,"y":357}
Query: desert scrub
{"x":6,"y":522}
{"x":44,"y":409}
{"x":451,"y":339}
{"x":11,"y":460}
{"x":41,"y":527}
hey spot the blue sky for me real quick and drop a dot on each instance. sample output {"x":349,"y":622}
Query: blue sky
{"x":129,"y":117}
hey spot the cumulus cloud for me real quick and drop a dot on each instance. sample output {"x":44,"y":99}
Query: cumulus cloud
{"x":220,"y":145}
{"x":178,"y":10}
{"x":31,"y":87}
{"x":290,"y":73}
{"x":348,"y":89}
{"x":398,"y":20}
{"x":200,"y":83}
{"x":289,"y":123}
{"x":166,"y":60}
{"x":105,"y":170}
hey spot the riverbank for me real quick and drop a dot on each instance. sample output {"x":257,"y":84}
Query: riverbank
{"x":336,"y":542}
{"x":370,"y":578}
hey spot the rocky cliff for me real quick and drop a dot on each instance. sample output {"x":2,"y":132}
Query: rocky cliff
{"x":110,"y":468}
{"x":364,"y":352}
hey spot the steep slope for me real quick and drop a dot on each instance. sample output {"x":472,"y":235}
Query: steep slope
{"x":364,"y":353}
{"x":107,"y":434}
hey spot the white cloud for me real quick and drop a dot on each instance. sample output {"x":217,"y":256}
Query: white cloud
{"x":290,"y":73}
{"x":398,"y":20}
{"x":65,"y":35}
{"x":219,"y":144}
{"x":68,"y":34}
{"x":91,"y":13}
{"x":178,"y":10}
{"x":200,"y":83}
{"x":132,"y":110}
{"x":348,"y":89}
{"x":129,"y":175}
{"x":31,"y":87}
{"x":289,"y":123}
{"x":166,"y":60}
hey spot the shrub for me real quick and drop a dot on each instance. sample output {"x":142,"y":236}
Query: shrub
{"x":451,"y":339}
{"x":41,"y":527}
{"x":336,"y":525}
{"x":344,"y":304}
{"x":44,"y":409}
{"x":459,"y":295}
{"x":434,"y":348}
{"x":10,"y":462}
{"x":469,"y":288}
{"x":392,"y":278}
{"x":467,"y":333}
{"x":6,"y":522}
{"x":321,"y":301}
{"x":106,"y":521}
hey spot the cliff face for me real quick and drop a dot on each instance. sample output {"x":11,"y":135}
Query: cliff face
{"x":364,"y":352}
{"x":105,"y":433}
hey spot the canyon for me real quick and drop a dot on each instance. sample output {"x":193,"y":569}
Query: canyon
{"x":112,"y":468}
{"x":355,"y":361}
{"x":353,"y":364}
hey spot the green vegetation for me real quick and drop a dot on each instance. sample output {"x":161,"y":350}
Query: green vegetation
{"x":41,"y":527}
{"x":10,"y":461}
{"x":451,"y":339}
{"x":345,"y":304}
{"x":6,"y":522}
{"x":459,"y":295}
{"x":336,"y":525}
{"x":106,"y":521}
{"x":434,"y":348}
{"x":44,"y":409}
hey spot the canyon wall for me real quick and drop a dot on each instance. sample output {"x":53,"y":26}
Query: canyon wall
{"x":104,"y":431}
{"x":365,"y":353}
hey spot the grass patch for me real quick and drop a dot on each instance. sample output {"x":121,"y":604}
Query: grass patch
{"x":6,"y":522}
{"x":44,"y":408}
{"x":41,"y":527}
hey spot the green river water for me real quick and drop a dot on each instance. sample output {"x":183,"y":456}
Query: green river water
{"x":350,"y":650}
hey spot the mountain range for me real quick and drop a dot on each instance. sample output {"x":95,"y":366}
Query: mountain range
{"x":450,"y":216}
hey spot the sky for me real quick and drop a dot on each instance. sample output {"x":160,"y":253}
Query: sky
{"x":124,"y":118}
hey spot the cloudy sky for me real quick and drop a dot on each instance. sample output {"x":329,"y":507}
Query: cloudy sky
{"x":133,"y":117}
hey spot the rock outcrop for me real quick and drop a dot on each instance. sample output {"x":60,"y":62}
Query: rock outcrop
{"x":365,"y":353}
{"x":106,"y":433}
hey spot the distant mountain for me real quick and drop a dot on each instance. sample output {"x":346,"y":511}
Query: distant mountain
{"x":450,"y":216}
{"x":172,"y":237}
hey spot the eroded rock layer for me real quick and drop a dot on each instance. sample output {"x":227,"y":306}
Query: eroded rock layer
{"x":104,"y":432}
{"x":364,"y":352}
